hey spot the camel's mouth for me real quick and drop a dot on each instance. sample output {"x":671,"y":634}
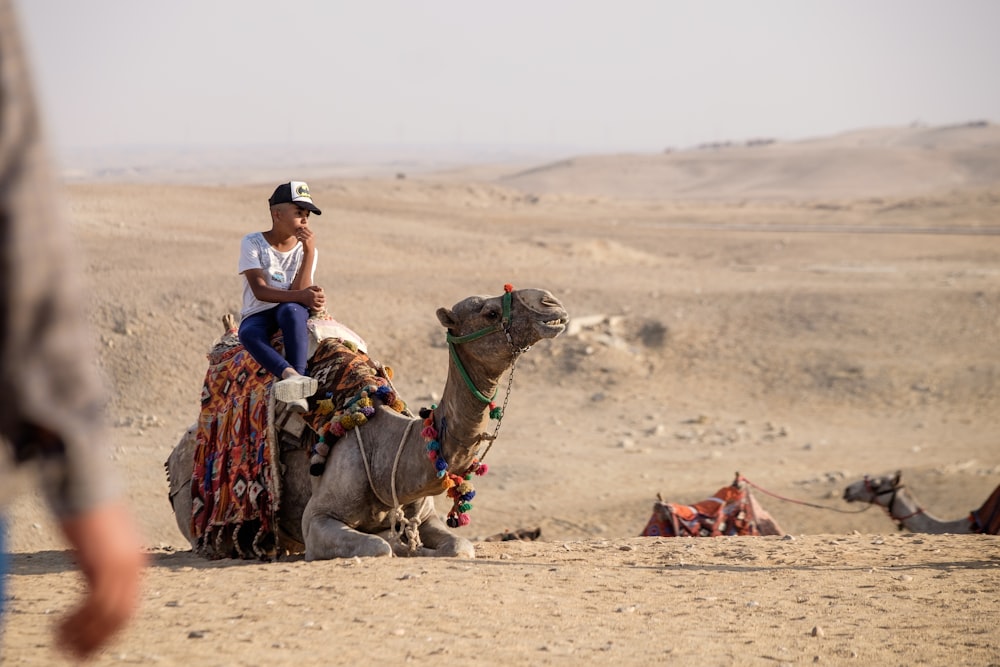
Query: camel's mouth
{"x":549,"y":318}
{"x":855,"y":495}
{"x":554,"y":327}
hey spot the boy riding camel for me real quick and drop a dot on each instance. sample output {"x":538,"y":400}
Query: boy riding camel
{"x":279,"y":266}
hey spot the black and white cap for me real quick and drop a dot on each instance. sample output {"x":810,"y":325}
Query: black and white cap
{"x":294,"y":192}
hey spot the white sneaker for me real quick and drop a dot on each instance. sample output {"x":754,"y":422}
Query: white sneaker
{"x":299,"y":405}
{"x":294,"y":388}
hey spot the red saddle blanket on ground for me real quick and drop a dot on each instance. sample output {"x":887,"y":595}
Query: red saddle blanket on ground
{"x":986,"y":519}
{"x":233,"y":486}
{"x":731,"y":511}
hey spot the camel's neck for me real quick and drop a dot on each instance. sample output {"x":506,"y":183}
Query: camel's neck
{"x":462,"y":416}
{"x":903,"y":507}
{"x":460,"y":419}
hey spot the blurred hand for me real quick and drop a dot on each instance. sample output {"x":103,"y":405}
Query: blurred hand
{"x":109,"y":556}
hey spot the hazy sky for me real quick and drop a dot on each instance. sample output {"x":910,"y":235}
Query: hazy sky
{"x":609,"y":75}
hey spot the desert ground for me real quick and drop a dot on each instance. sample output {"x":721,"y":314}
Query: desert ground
{"x":803,"y":313}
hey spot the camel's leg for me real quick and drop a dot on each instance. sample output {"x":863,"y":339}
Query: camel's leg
{"x":181,"y":504}
{"x":180,"y":469}
{"x":440,"y":541}
{"x":327,"y":538}
{"x":435,"y":536}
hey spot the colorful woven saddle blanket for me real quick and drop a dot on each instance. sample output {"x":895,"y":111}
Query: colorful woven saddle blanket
{"x":986,"y":519}
{"x":351,"y":385}
{"x":233,"y":487}
{"x":731,"y":511}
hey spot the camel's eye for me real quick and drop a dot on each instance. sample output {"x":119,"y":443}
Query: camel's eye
{"x":492,"y":315}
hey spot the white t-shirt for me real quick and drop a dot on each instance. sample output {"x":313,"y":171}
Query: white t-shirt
{"x":279,"y":269}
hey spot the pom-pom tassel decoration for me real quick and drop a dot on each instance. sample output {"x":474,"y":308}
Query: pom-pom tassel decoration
{"x":458,"y":488}
{"x":357,"y":413}
{"x":317,"y":460}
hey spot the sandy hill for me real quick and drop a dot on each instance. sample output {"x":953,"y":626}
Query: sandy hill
{"x":869,"y":163}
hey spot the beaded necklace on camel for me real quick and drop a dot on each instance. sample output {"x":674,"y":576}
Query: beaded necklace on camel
{"x":459,"y":487}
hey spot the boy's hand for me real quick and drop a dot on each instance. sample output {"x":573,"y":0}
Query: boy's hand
{"x":307,"y":238}
{"x":313,"y":297}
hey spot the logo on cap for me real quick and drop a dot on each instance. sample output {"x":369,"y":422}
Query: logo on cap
{"x":294,"y":192}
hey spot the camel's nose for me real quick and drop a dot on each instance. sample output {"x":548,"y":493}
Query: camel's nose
{"x":539,"y":300}
{"x":549,"y":301}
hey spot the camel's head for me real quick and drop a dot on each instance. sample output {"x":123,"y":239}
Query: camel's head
{"x":500,"y":327}
{"x":876,"y":490}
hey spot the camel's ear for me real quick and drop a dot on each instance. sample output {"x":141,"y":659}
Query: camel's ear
{"x":895,"y":481}
{"x":446,"y":318}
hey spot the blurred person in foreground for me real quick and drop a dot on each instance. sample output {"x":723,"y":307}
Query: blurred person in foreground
{"x":51,"y":401}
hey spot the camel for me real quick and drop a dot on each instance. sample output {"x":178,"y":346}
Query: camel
{"x":375,"y":494}
{"x":903,"y":508}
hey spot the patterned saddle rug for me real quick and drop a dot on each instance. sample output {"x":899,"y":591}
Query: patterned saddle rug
{"x":733,"y":510}
{"x":235,"y":487}
{"x":350,"y":382}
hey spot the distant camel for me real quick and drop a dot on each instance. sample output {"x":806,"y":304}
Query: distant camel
{"x":903,"y":508}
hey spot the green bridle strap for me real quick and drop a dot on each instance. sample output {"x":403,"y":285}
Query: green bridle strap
{"x":502,"y":326}
{"x":474,"y":335}
{"x":468,"y":381}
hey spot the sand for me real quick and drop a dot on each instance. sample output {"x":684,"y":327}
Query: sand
{"x":782,"y":317}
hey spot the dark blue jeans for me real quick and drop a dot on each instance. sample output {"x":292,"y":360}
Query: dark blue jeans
{"x":257,"y":329}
